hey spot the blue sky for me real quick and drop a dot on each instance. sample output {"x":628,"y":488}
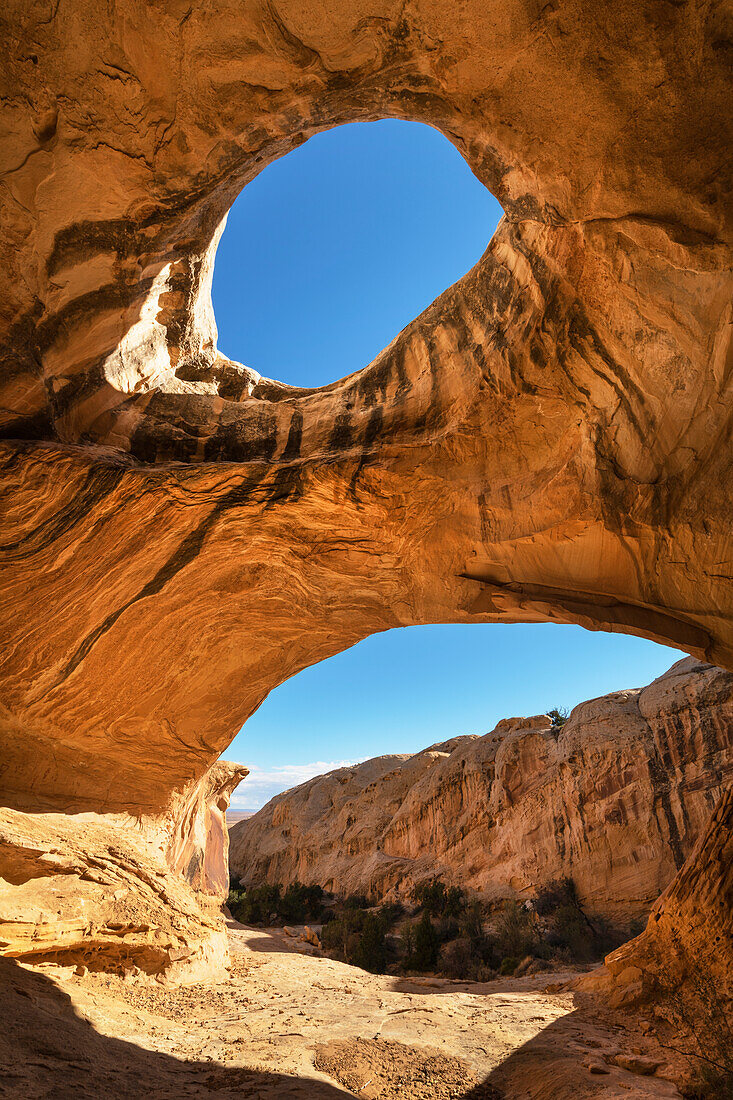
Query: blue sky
{"x":326,"y":256}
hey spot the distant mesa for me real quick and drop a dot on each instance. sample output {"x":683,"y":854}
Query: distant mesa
{"x":233,"y":816}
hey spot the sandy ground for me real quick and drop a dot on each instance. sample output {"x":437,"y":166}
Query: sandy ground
{"x":289,"y":1025}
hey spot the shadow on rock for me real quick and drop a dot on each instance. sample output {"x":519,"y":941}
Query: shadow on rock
{"x":572,"y":1059}
{"x":48,"y":1050}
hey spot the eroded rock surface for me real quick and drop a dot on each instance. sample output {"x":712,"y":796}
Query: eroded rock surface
{"x":110,"y":893}
{"x":282,"y":1025}
{"x":550,"y":440}
{"x":615,"y":799}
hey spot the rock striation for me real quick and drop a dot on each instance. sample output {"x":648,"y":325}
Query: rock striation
{"x":111,"y":893}
{"x":615,"y":799}
{"x":550,"y":440}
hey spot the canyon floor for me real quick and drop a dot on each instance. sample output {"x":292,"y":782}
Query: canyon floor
{"x":285,"y":1024}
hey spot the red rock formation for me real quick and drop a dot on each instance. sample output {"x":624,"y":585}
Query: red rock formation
{"x":550,"y":440}
{"x":615,"y":799}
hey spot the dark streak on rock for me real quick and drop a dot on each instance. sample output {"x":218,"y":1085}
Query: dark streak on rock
{"x":341,"y":434}
{"x":375,"y":378}
{"x":287,"y":485}
{"x":186,"y":552}
{"x":99,"y":483}
{"x":295,"y":437}
{"x":660,"y":786}
{"x":372,"y":432}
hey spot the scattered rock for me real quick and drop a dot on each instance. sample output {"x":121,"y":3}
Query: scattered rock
{"x":387,"y":1070}
{"x":638,"y":1063}
{"x":597,"y":1067}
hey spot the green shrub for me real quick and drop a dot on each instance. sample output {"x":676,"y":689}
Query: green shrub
{"x":422,"y":945}
{"x":367,"y":948}
{"x":358,"y":937}
{"x":569,"y":931}
{"x":515,"y":934}
{"x":446,"y":929}
{"x":356,"y":901}
{"x":256,"y":904}
{"x":471,"y":924}
{"x":390,"y":913}
{"x":301,"y":903}
{"x":267,"y":904}
{"x":508,"y":966}
{"x":464,"y":959}
{"x":552,"y":895}
{"x":438,"y":899}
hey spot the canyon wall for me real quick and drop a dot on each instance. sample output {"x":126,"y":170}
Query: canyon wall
{"x":549,"y":441}
{"x":615,"y":799}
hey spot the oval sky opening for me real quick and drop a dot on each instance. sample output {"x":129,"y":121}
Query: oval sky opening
{"x":334,"y":248}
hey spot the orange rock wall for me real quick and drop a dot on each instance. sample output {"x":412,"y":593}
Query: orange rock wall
{"x":615,"y":799}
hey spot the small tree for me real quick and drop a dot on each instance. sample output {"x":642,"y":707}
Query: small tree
{"x":558,"y":717}
{"x":438,"y":899}
{"x":367,"y":948}
{"x":472,"y":921}
{"x":427,"y":945}
{"x":515,"y":933}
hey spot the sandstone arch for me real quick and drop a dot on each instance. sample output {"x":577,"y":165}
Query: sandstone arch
{"x":550,"y":440}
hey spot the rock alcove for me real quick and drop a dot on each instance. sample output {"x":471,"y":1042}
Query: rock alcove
{"x":549,"y":441}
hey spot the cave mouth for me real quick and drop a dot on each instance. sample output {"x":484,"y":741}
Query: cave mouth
{"x":337,"y":246}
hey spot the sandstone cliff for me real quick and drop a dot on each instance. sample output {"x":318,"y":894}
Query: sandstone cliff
{"x":615,"y":799}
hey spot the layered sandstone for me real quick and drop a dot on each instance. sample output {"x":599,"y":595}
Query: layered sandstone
{"x":615,"y":799}
{"x":550,"y":440}
{"x":112,"y":893}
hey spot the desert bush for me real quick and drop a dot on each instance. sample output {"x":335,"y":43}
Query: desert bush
{"x":465,"y":959}
{"x":359,"y":937}
{"x":447,"y":929}
{"x":356,"y":901}
{"x":471,"y":922}
{"x":301,"y":903}
{"x":568,"y":930}
{"x":422,"y":945}
{"x":552,"y":895}
{"x":367,"y":948}
{"x":390,"y":913}
{"x":558,"y":716}
{"x":255,"y":904}
{"x":514,"y":932}
{"x":508,"y":966}
{"x":438,"y":899}
{"x":267,"y":904}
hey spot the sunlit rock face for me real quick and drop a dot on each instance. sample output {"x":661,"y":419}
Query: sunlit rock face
{"x":113,"y":893}
{"x":615,"y":799}
{"x":550,"y":440}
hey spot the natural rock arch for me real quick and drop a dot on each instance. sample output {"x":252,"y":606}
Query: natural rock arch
{"x":550,"y":440}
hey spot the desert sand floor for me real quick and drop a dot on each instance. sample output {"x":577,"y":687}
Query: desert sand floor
{"x":288,"y":1025}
